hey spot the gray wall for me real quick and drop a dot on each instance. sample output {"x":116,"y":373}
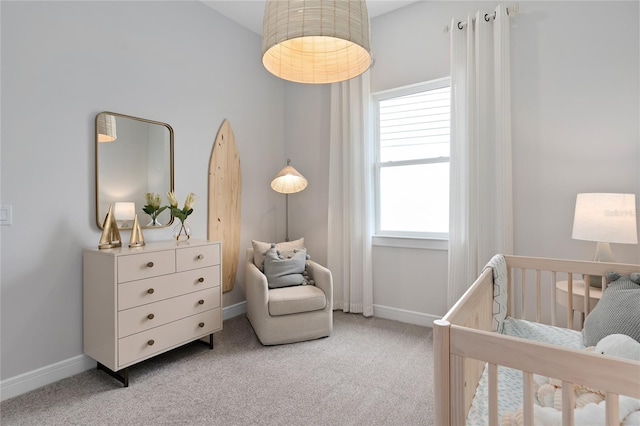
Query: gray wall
{"x":575,"y":129}
{"x":575,"y":108}
{"x":62,"y":63}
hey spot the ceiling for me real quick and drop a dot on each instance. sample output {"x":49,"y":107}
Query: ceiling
{"x":249,"y":13}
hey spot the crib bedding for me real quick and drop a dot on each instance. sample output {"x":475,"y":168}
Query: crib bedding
{"x":510,"y":380}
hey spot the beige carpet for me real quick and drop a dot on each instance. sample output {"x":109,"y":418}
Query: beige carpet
{"x":370,"y":371}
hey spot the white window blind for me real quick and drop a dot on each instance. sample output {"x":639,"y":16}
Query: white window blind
{"x":412,"y":160}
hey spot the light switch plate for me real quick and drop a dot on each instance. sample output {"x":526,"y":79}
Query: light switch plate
{"x":6,"y":215}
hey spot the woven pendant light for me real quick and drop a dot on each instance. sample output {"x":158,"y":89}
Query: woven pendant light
{"x":106,"y":127}
{"x":316,"y":41}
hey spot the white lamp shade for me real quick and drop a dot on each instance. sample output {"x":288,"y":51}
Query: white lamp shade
{"x":609,"y":218}
{"x":124,"y":211}
{"x":106,"y":127}
{"x":288,"y":181}
{"x":316,"y":41}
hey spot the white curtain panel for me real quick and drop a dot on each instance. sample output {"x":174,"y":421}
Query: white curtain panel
{"x":350,"y":196}
{"x":481,"y":200}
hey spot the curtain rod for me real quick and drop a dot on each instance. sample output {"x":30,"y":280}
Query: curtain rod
{"x":511,"y":11}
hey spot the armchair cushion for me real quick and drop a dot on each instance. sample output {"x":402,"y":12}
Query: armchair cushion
{"x":292,"y":300}
{"x":286,"y":248}
{"x":283,"y":272}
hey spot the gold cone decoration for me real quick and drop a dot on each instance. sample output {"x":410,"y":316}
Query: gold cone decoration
{"x":110,"y":237}
{"x":136,"y":240}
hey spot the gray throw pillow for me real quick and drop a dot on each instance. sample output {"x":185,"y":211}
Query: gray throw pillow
{"x":617,"y":312}
{"x":284,"y":272}
{"x":286,"y":249}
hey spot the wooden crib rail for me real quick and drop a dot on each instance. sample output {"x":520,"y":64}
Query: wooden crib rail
{"x":474,"y":310}
{"x":473,"y":303}
{"x":464,"y":343}
{"x":612,"y":376}
{"x":616,"y":375}
{"x":564,"y":265}
{"x":522,"y":267}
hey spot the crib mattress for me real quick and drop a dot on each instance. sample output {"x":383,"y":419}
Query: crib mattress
{"x":510,"y":380}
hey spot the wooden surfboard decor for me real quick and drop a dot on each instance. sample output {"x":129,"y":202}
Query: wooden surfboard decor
{"x":225,"y":188}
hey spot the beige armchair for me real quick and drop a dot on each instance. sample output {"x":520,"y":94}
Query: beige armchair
{"x":289,"y":314}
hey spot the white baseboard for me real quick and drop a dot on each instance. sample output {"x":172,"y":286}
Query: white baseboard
{"x":386,"y":312}
{"x":31,"y":380}
{"x":234,"y":310}
{"x":401,"y":315}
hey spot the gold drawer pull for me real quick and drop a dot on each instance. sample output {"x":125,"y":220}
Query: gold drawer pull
{"x":200,"y":257}
{"x":201,"y":279}
{"x":201,"y":302}
{"x":150,"y":316}
{"x":150,"y":342}
{"x":150,"y":265}
{"x":201,"y":325}
{"x":150,"y":291}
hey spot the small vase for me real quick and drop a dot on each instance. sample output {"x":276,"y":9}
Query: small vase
{"x":181,"y":232}
{"x":154,"y":222}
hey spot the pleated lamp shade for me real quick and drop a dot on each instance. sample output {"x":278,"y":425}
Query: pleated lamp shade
{"x":288,"y":181}
{"x":316,"y":41}
{"x":106,"y":127}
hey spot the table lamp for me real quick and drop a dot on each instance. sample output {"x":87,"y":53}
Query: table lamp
{"x":125,"y":213}
{"x":605,"y":218}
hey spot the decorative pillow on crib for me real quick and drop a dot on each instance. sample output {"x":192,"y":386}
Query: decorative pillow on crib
{"x":499,"y":266}
{"x":619,"y":345}
{"x":285,"y":272}
{"x":285,"y":248}
{"x":617,"y":312}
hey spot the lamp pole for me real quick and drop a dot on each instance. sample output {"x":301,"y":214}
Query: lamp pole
{"x":286,"y":215}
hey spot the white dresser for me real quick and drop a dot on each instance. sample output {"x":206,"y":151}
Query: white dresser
{"x":142,"y":301}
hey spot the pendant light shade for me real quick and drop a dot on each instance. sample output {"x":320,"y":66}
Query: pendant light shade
{"x":288,"y":181}
{"x":106,"y":127}
{"x":316,"y":41}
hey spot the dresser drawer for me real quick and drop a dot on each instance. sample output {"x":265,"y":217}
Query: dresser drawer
{"x":146,"y":265}
{"x":142,"y":292}
{"x":197,"y":257}
{"x":148,"y":343}
{"x":142,"y":318}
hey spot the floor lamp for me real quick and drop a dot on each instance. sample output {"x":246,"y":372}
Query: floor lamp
{"x":605,"y":218}
{"x":288,"y":181}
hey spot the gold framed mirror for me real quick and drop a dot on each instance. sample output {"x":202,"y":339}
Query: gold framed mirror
{"x":134,"y":156}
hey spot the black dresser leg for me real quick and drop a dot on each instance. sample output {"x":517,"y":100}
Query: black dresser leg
{"x":210,"y":344}
{"x":124,"y":378}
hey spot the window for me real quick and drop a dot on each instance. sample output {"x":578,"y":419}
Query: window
{"x":412,"y":160}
